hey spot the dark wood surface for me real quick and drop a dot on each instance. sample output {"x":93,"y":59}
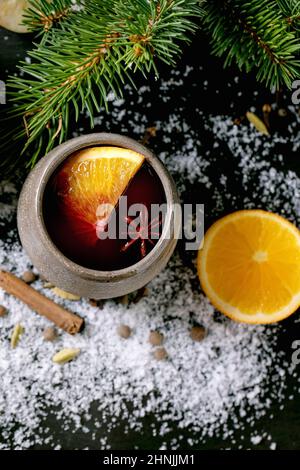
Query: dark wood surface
{"x":285,"y":426}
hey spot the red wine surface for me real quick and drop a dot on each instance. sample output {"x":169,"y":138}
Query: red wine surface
{"x":78,"y":239}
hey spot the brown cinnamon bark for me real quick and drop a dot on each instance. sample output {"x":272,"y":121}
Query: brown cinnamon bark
{"x":64,"y":319}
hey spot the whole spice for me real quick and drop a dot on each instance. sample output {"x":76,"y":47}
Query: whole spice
{"x":156,"y":338}
{"x":64,"y":319}
{"x":258,"y":123}
{"x":266,"y":109}
{"x":16,"y":334}
{"x":124,"y":331}
{"x":65,"y":355}
{"x":28,"y":277}
{"x":198,"y":333}
{"x":48,"y":285}
{"x":282,"y":112}
{"x":96,"y":303}
{"x":124,"y":300}
{"x":142,"y":234}
{"x":160,"y":354}
{"x":150,"y":132}
{"x":142,"y":292}
{"x":3,"y":311}
{"x":49,"y":334}
{"x":65,"y":295}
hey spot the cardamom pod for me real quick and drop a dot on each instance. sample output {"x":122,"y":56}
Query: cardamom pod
{"x":15,"y":337}
{"x":48,"y":285}
{"x":65,"y":295}
{"x":65,"y":355}
{"x":257,"y":123}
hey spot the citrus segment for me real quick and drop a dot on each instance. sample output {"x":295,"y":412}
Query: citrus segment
{"x":249,"y":266}
{"x":92,"y":180}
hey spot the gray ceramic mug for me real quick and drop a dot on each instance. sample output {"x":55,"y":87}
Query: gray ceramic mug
{"x":61,"y":271}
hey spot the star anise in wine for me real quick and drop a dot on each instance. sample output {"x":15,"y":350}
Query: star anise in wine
{"x":142,"y":231}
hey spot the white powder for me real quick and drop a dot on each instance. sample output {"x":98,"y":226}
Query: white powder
{"x":200,"y":386}
{"x":210,"y":388}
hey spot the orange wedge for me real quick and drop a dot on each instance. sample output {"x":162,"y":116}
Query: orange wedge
{"x":91,"y":182}
{"x":249,"y":266}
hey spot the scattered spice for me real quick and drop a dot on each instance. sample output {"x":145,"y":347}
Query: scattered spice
{"x":124,"y":331}
{"x":282,"y":112}
{"x":65,"y":355}
{"x":198,"y":333}
{"x":124,"y":300}
{"x":266,"y":109}
{"x":257,"y":123}
{"x":3,"y":310}
{"x":65,"y":295}
{"x":238,"y":120}
{"x":214,"y":394}
{"x":150,"y":132}
{"x":48,"y":285}
{"x":142,"y":292}
{"x":64,"y":319}
{"x":16,"y":334}
{"x":160,"y":354}
{"x":28,"y":277}
{"x":49,"y":333}
{"x":156,"y":338}
{"x":96,"y":303}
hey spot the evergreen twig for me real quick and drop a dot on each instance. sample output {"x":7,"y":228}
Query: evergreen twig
{"x":42,"y":16}
{"x":94,"y":52}
{"x":83,"y":55}
{"x":291,"y":11}
{"x":257,"y":34}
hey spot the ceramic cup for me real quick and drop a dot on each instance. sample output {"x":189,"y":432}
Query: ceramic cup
{"x":53,"y":265}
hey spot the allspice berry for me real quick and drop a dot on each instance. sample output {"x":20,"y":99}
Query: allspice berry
{"x":160,"y":354}
{"x":156,"y":338}
{"x":3,"y":311}
{"x":282,"y":112}
{"x":124,"y":331}
{"x":28,"y":277}
{"x":198,"y":333}
{"x":96,"y":303}
{"x":49,"y":333}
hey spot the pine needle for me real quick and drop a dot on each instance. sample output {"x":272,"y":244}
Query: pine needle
{"x":83,"y":55}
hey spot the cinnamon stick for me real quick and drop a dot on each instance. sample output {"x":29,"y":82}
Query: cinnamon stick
{"x":64,"y":319}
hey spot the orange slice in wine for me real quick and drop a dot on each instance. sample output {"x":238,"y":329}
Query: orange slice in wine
{"x":92,"y":180}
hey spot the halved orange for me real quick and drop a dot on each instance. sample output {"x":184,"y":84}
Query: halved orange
{"x":92,"y":180}
{"x":249,"y":266}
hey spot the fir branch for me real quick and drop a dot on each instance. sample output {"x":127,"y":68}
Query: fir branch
{"x":41,"y":16}
{"x":96,"y":51}
{"x":255,"y":35}
{"x":291,"y":11}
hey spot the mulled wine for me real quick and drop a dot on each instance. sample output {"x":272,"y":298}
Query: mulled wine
{"x":104,"y":208}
